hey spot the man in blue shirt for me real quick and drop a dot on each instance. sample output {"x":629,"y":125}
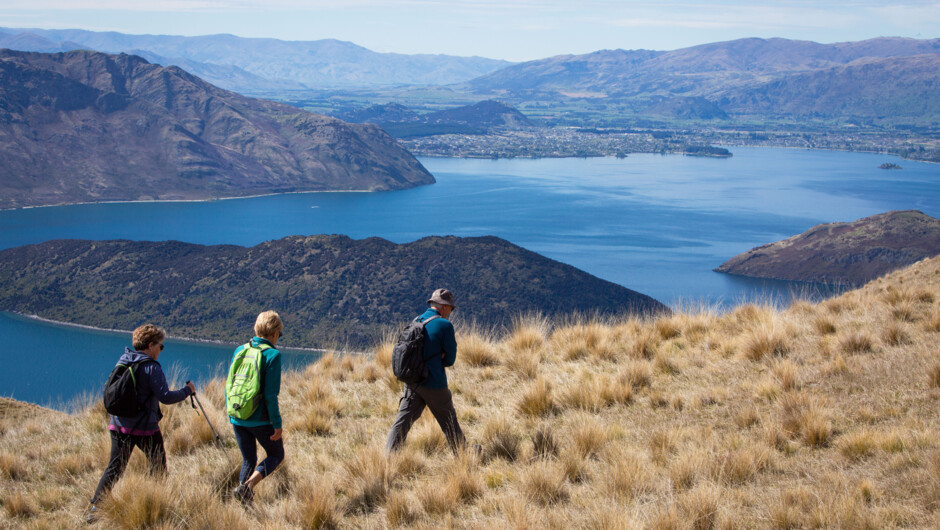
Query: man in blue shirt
{"x":440,"y":352}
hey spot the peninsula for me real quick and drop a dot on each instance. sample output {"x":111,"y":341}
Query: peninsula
{"x":84,"y":126}
{"x":330,"y":290}
{"x":844,"y":253}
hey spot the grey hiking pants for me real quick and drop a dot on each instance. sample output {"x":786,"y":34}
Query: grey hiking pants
{"x":410,"y":407}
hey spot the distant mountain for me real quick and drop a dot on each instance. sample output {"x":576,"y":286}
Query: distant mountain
{"x":869,"y":87}
{"x":315,"y":64}
{"x":885,"y":76}
{"x":695,"y":71}
{"x":485,"y":114}
{"x":328,"y":289}
{"x":387,"y":113}
{"x":844,"y":253}
{"x":478,"y":118}
{"x":87,"y":126}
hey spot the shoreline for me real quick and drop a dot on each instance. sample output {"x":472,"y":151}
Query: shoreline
{"x":131,"y":201}
{"x":44,"y":320}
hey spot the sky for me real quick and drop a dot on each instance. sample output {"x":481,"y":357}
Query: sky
{"x":515,"y":30}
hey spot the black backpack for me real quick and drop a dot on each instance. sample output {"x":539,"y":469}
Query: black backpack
{"x":408,"y":362}
{"x":120,"y":391}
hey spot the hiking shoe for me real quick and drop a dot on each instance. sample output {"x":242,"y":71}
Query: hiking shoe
{"x":243,"y":494}
{"x":91,"y":515}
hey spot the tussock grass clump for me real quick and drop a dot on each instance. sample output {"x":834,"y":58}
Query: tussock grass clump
{"x":638,"y":374}
{"x":700,"y":508}
{"x":803,"y":416}
{"x":857,"y":342}
{"x":544,"y":484}
{"x":824,"y":324}
{"x":463,"y":478}
{"x":895,"y":334}
{"x":17,"y":505}
{"x":767,"y":340}
{"x":645,"y":344}
{"x":589,"y":340}
{"x":139,"y":501}
{"x":399,"y":509}
{"x":317,"y":507}
{"x":544,"y":443}
{"x":688,"y":467}
{"x":628,"y":474}
{"x":12,"y":466}
{"x":500,"y":440}
{"x":933,"y":375}
{"x":857,"y":445}
{"x":740,"y":465}
{"x":537,"y":399}
{"x":588,"y":436}
{"x":787,"y":373}
{"x":368,"y":479}
{"x":436,"y":500}
{"x":528,"y":333}
{"x":478,"y":349}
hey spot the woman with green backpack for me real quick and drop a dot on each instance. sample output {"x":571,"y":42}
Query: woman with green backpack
{"x":251,"y":391}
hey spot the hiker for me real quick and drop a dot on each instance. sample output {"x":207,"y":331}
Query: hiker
{"x":262,"y":423}
{"x":143,"y":429}
{"x":440,"y":351}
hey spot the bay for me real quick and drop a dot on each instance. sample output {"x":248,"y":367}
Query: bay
{"x":655,"y":224}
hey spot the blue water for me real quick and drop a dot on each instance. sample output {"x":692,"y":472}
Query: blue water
{"x":656,"y":224}
{"x":57,"y":366}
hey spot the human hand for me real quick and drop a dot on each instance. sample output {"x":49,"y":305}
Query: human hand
{"x":191,"y":386}
{"x":277,"y":435}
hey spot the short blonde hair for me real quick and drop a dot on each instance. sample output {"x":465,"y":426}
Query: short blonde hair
{"x":146,"y":335}
{"x":268,"y":324}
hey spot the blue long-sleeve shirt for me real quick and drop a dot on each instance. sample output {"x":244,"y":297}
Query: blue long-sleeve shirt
{"x":152,"y":390}
{"x":269,"y":413}
{"x":440,"y":348}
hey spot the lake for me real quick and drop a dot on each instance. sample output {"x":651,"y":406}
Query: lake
{"x":656,"y":224}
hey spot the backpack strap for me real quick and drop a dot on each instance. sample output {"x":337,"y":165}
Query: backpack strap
{"x":423,"y":324}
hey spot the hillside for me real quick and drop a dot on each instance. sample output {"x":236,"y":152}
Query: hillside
{"x":328,"y":289}
{"x":84,"y":126}
{"x":812,"y":416}
{"x":282,"y":64}
{"x":770,"y":77}
{"x":869,"y":87}
{"x":478,"y":118}
{"x":844,"y":253}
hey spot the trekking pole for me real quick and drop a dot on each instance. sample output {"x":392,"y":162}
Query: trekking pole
{"x":218,"y":439}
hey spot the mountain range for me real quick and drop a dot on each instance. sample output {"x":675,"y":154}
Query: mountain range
{"x":328,"y":289}
{"x":844,"y":253}
{"x":246,"y":65}
{"x":767,"y":77}
{"x":888,"y":79}
{"x":87,"y":126}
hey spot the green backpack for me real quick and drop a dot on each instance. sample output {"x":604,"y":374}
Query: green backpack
{"x":243,"y":386}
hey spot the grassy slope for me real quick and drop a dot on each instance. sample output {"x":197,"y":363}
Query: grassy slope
{"x":813,"y":416}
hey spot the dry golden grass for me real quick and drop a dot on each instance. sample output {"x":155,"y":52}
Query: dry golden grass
{"x":813,"y":416}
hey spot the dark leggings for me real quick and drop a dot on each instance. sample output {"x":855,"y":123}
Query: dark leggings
{"x":246,"y":437}
{"x":121,"y":447}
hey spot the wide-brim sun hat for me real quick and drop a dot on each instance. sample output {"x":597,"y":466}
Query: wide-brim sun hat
{"x":443,"y":297}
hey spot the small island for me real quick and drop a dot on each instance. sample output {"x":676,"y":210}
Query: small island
{"x":706,"y":150}
{"x":889,"y":165}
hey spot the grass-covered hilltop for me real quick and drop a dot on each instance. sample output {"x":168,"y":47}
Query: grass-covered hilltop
{"x":814,"y":415}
